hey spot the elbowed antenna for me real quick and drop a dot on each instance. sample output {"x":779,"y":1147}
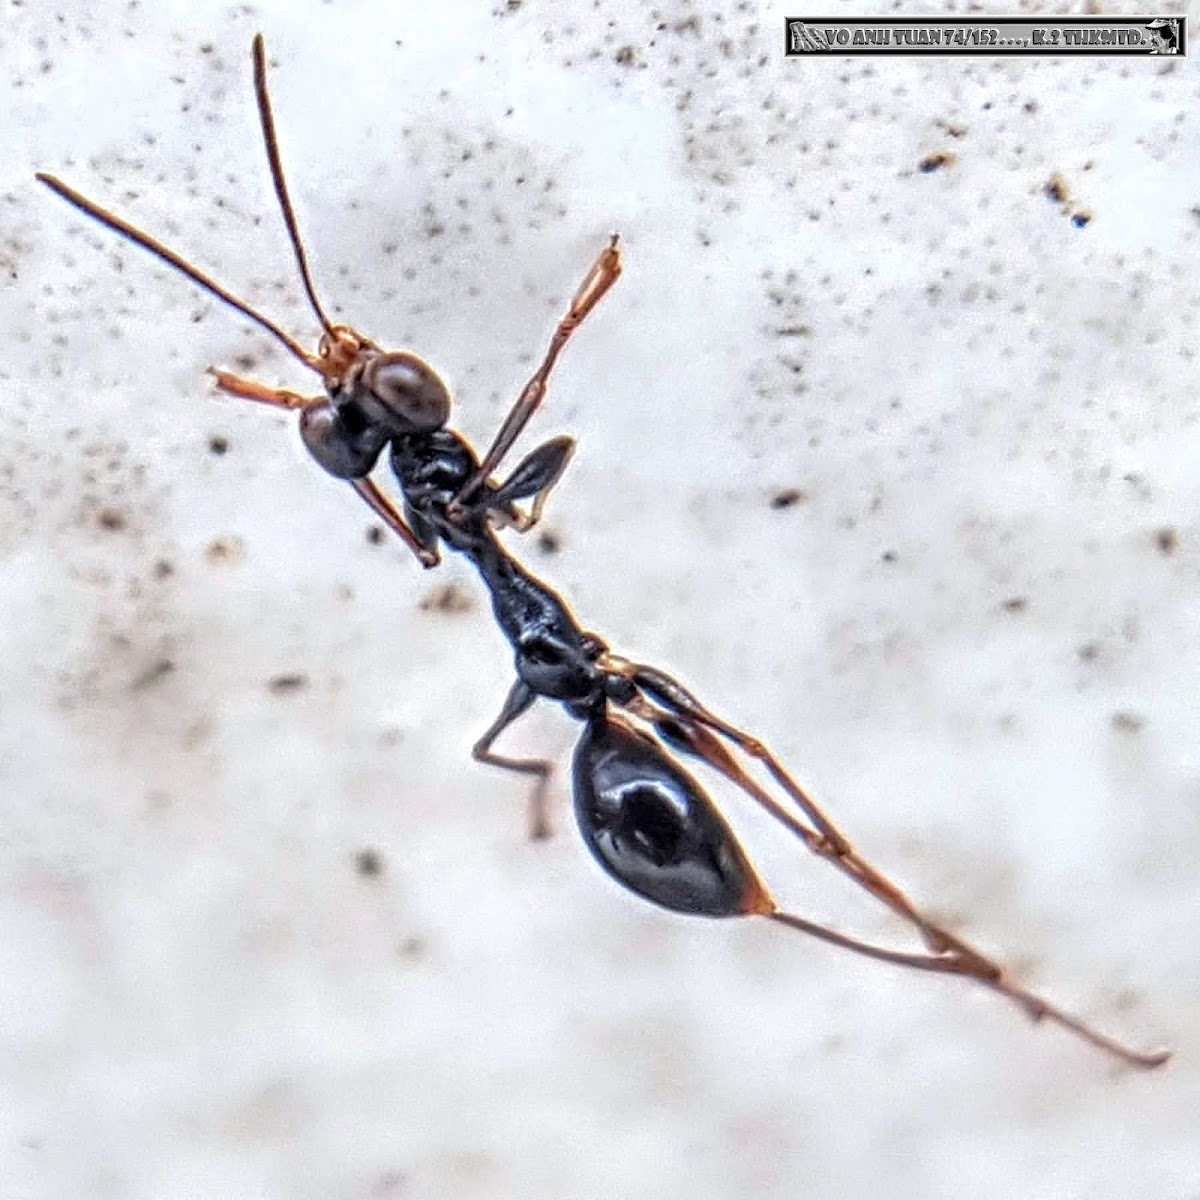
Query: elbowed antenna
{"x":139,"y":237}
{"x":266,"y":117}
{"x":340,"y":338}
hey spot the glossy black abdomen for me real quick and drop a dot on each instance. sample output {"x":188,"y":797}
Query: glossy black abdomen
{"x":653,"y":828}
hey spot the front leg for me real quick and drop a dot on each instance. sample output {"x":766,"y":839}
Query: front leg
{"x":518,"y":702}
{"x":390,"y":515}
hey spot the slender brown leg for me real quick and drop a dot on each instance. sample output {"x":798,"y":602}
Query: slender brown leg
{"x":952,"y":963}
{"x":391,"y":516}
{"x":603,"y":274}
{"x":696,"y":739}
{"x":670,"y":692}
{"x":381,"y":505}
{"x":950,"y":954}
{"x":829,"y":841}
{"x":516,"y":705}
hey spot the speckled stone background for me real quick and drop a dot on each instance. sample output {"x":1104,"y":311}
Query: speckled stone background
{"x":897,"y":466}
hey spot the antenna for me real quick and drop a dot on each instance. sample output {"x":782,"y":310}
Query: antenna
{"x":134,"y":234}
{"x":285,"y":203}
{"x":120,"y":226}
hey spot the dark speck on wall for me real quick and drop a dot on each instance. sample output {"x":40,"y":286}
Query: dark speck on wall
{"x":223,"y":550}
{"x":413,"y":948}
{"x":1056,"y":189}
{"x":787,"y":498}
{"x":447,"y":598}
{"x":369,"y":863}
{"x":1167,"y":540}
{"x":935,"y":162}
{"x":152,"y":674}
{"x":282,"y":685}
{"x":1128,"y":722}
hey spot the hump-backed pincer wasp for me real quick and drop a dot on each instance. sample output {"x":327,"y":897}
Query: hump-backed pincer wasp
{"x":648,"y":823}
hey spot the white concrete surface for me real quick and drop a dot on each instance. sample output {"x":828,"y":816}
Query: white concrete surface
{"x":974,"y":636}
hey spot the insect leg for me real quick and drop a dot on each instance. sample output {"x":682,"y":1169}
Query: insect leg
{"x":391,"y":516}
{"x":694,"y":738}
{"x":671,"y":693}
{"x":383,"y":507}
{"x":952,"y":963}
{"x":603,"y":273}
{"x":516,"y":704}
{"x":830,"y":843}
{"x":950,"y":955}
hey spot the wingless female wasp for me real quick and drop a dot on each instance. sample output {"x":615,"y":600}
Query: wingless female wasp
{"x":648,"y":823}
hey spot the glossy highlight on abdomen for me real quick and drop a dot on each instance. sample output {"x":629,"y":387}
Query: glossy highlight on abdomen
{"x":653,"y":829}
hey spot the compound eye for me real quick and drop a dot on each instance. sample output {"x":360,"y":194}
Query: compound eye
{"x":409,"y":388}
